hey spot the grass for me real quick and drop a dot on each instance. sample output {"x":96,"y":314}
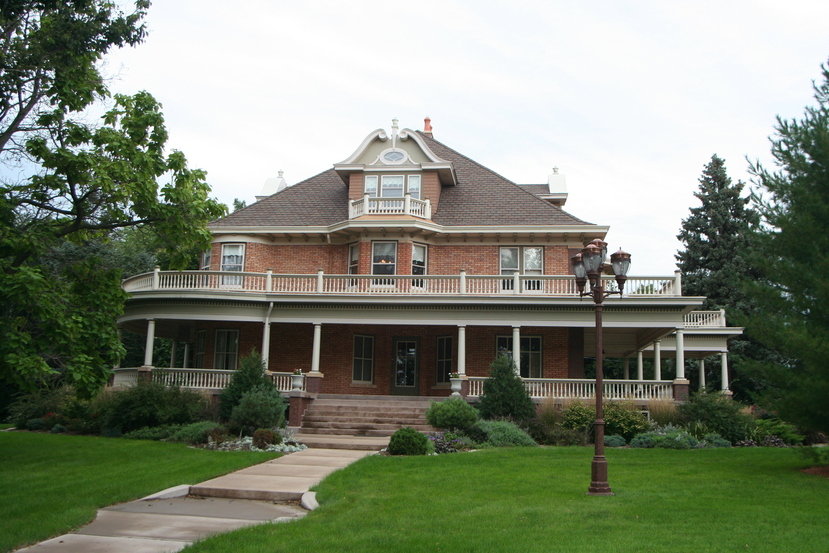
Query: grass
{"x":533,"y":500}
{"x":51,"y":483}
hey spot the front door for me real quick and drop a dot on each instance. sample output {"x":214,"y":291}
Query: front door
{"x":404,"y":367}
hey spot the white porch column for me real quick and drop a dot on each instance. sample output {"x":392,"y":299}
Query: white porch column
{"x":186,"y":363}
{"x":724,"y":369}
{"x":516,"y":349}
{"x":172,"y":354}
{"x":462,"y":350}
{"x":702,"y":374}
{"x":657,"y":360}
{"x":148,"y":345}
{"x":680,"y":354}
{"x":315,"y":355}
{"x":626,"y":365}
{"x":640,"y":366}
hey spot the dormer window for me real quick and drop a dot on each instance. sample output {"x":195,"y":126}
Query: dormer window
{"x":392,"y":186}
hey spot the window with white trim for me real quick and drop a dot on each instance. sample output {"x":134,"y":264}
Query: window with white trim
{"x":418,"y":264}
{"x":205,"y":260}
{"x":392,"y":186}
{"x":444,"y":359}
{"x":363,"y":360}
{"x":530,"y":354}
{"x":233,"y":260}
{"x":226,"y":349}
{"x":524,"y":260}
{"x":354,"y":259}
{"x":383,"y":261}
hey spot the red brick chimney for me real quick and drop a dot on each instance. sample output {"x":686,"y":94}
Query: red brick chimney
{"x":427,"y":126}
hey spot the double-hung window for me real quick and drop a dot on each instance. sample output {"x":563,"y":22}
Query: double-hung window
{"x":363,"y":361}
{"x":444,"y":359}
{"x":527,"y":260}
{"x":418,"y":264}
{"x":530,"y":354}
{"x":392,"y":186}
{"x":227,"y":349}
{"x":353,"y":262}
{"x":383,"y":261}
{"x":233,"y":260}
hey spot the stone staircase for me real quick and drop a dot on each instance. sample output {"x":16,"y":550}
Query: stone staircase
{"x":361,"y":422}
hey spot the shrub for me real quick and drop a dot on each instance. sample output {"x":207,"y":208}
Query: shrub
{"x":815,"y":455}
{"x":765,"y":428}
{"x":263,"y":437}
{"x":36,"y":404}
{"x":664,"y":411}
{"x":153,"y":432}
{"x":719,"y":414}
{"x":557,"y":434}
{"x":408,"y":441}
{"x":249,"y":376}
{"x":714,"y":440}
{"x":218,"y":435}
{"x":149,"y":404}
{"x":504,"y":394}
{"x":503,"y":434}
{"x":624,"y":419}
{"x":644,"y":440}
{"x":37,"y":425}
{"x":258,"y":408}
{"x":452,"y":414}
{"x":194,"y":433}
{"x":578,"y":416}
{"x":667,"y":437}
{"x":614,"y":440}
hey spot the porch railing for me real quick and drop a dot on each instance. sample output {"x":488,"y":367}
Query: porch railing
{"x":585,"y":388}
{"x":196,"y":379}
{"x":705,"y":318}
{"x":381,"y":285}
{"x":390,"y":206}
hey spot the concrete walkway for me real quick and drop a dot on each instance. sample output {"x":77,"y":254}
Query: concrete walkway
{"x":171,"y":520}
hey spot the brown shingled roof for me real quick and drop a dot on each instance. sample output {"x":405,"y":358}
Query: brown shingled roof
{"x":480,"y":197}
{"x":483,"y":197}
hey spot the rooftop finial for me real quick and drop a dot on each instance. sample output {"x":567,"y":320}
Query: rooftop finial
{"x":394,"y":129}
{"x":280,"y":173}
{"x":555,"y":170}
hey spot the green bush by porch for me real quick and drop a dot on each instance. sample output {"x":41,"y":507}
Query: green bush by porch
{"x":50,"y":483}
{"x":533,"y":500}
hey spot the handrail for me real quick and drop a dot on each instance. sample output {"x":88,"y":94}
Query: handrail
{"x":585,"y":388}
{"x":417,"y":285}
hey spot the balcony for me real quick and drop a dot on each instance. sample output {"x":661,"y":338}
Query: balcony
{"x":390,"y":206}
{"x":399,"y":285}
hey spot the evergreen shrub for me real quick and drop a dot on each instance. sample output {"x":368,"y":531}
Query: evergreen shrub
{"x":258,"y":408}
{"x":452,"y":414}
{"x":263,"y":437}
{"x":504,"y":395}
{"x":195,"y":433}
{"x":503,"y":433}
{"x":719,"y":414}
{"x":778,"y":428}
{"x":614,"y":440}
{"x":408,"y":441}
{"x":153,"y":432}
{"x":249,"y":376}
{"x":150,"y":404}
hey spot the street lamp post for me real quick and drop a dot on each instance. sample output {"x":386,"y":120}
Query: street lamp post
{"x":588,"y":265}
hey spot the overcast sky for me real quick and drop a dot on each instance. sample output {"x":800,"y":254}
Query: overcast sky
{"x":629,"y":99}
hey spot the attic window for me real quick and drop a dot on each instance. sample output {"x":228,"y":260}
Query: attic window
{"x":393,"y":156}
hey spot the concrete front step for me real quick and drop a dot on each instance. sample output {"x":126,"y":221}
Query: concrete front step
{"x":400,"y":421}
{"x":349,"y":410}
{"x":340,"y":441}
{"x":370,"y":432}
{"x":363,"y":424}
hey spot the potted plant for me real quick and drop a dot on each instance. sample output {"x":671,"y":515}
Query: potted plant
{"x":296,"y":380}
{"x":455,"y":381}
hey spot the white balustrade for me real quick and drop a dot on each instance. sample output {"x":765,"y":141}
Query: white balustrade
{"x":124,"y":377}
{"x":282,"y":381}
{"x":390,"y":206}
{"x":705,"y":318}
{"x":585,"y":389}
{"x":473,"y":285}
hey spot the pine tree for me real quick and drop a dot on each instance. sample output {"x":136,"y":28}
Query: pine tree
{"x":791,"y":295}
{"x":717,"y":237}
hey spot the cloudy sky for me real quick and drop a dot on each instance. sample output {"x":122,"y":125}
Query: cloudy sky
{"x":629,"y":99}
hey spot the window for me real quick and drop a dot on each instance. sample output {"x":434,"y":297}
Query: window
{"x":198,"y":353}
{"x":414,"y":186}
{"x":233,"y":259}
{"x":444,"y":361}
{"x":205,"y":260}
{"x":392,"y":186}
{"x":363,"y":366}
{"x":227,"y":349}
{"x":383,"y":261}
{"x":530,"y":354}
{"x":370,"y":186}
{"x":528,"y":260}
{"x":354,"y":259}
{"x":418,"y":264}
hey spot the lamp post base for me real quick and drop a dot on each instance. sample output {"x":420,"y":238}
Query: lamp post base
{"x":599,"y":484}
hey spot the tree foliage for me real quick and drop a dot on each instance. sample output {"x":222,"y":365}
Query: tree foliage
{"x":86,"y":182}
{"x":504,"y":394}
{"x":791,"y":295}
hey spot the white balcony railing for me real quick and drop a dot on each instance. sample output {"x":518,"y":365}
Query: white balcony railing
{"x":583,"y":388}
{"x":196,"y":379}
{"x":377,"y":285}
{"x":390,"y":206}
{"x":705,"y":318}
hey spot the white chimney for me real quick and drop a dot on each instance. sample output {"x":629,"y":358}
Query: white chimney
{"x":556,"y":182}
{"x":272,"y":186}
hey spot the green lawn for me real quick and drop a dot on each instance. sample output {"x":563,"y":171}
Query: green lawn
{"x":533,"y":500}
{"x":52,"y":483}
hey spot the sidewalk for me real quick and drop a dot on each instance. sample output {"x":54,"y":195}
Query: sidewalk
{"x":175,"y":518}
